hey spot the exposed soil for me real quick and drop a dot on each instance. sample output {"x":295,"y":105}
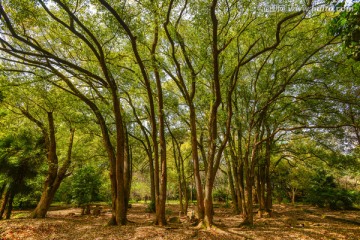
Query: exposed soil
{"x":287,"y":222}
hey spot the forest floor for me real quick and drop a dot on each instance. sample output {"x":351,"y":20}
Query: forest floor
{"x":287,"y":222}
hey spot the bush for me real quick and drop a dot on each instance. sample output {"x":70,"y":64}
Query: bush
{"x":220,"y":195}
{"x":151,"y":207}
{"x":324,"y":192}
{"x":85,"y":186}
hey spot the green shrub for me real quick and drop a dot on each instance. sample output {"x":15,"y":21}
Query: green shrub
{"x":85,"y":186}
{"x":151,"y":207}
{"x":324,"y":192}
{"x":220,"y":195}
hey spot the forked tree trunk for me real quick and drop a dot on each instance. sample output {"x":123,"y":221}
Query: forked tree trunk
{"x":55,"y":174}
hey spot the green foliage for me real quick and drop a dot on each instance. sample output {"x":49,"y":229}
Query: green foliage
{"x":64,"y":193}
{"x":150,"y":207}
{"x":220,"y":195}
{"x":324,"y":192}
{"x":85,"y":186}
{"x":347,"y":25}
{"x":20,"y":157}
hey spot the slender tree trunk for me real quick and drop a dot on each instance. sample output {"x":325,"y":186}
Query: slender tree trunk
{"x":262,"y":195}
{"x":10,"y":204}
{"x":184,"y":183}
{"x":178,"y":171}
{"x":127,"y":168}
{"x":242,"y":188}
{"x":196,"y":164}
{"x":185,"y":194}
{"x":261,"y":188}
{"x":234,"y":196}
{"x":152,"y":179}
{"x":5,"y":198}
{"x":268,"y":203}
{"x":258,"y":191}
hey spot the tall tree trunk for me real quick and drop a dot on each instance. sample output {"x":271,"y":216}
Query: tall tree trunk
{"x":184,"y":184}
{"x":127,"y":167}
{"x":268,"y":204}
{"x":160,"y":208}
{"x":242,"y":188}
{"x":196,"y":164}
{"x":152,"y":180}
{"x":233,"y":192}
{"x":262,"y":189}
{"x":121,"y":194}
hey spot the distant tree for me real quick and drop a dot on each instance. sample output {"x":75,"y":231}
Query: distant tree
{"x":85,"y":186}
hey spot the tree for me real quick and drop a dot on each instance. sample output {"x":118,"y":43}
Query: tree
{"x":85,"y":186}
{"x":59,"y":69}
{"x":20,"y":157}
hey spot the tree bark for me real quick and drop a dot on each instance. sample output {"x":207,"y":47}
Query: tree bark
{"x":5,"y":198}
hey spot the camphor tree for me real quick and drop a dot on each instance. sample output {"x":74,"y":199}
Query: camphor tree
{"x":38,"y":102}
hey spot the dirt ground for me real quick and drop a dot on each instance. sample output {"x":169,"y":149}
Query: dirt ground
{"x":287,"y":222}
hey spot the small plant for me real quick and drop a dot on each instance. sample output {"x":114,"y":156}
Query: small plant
{"x":151,"y":207}
{"x":227,"y":204}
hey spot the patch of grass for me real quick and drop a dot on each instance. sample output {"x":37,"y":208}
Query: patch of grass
{"x":21,"y":215}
